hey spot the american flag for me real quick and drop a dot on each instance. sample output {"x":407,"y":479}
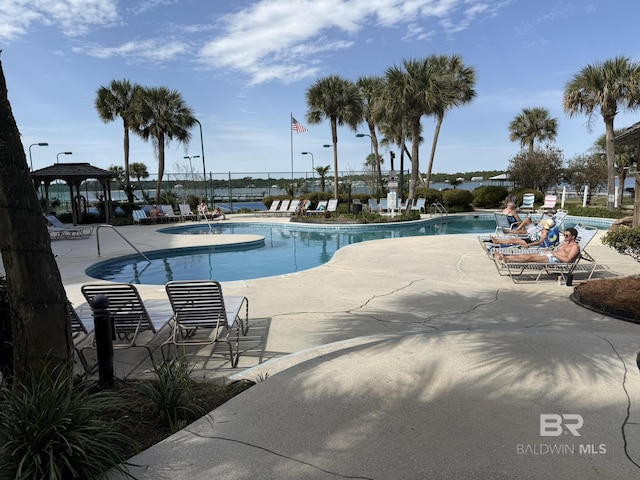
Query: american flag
{"x":297,"y":126}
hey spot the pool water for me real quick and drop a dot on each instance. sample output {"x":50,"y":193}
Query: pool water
{"x":286,"y":249}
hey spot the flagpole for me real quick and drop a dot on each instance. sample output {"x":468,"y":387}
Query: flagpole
{"x":291,"y":130}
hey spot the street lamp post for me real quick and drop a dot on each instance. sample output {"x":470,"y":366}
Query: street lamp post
{"x":41,"y":144}
{"x":193,"y":181}
{"x":62,"y":153}
{"x":204,"y":166}
{"x":361,"y":135}
{"x":312,"y":164}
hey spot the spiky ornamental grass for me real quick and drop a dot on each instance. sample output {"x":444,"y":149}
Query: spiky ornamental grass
{"x":171,"y":393}
{"x":46,"y":432}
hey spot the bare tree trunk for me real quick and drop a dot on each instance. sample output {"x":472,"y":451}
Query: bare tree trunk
{"x":41,"y":328}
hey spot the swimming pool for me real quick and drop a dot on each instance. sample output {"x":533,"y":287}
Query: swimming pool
{"x":286,"y":248}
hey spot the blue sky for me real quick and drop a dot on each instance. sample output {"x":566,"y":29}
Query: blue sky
{"x":244,"y":66}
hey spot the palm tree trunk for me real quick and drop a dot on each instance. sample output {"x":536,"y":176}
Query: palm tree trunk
{"x":40,"y":325}
{"x":127,"y":178}
{"x":160,"y":165}
{"x":433,"y":148}
{"x":611,"y":156}
{"x":334,"y":137}
{"x":415,"y":145}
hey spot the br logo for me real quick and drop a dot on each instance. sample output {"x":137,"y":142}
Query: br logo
{"x":554,"y":425}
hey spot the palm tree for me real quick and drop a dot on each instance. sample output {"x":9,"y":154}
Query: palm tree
{"x":39,"y":319}
{"x":606,"y":86}
{"x":371,"y":89}
{"x":162,"y":115}
{"x":414,"y":87}
{"x":338,"y":100}
{"x":459,"y":82}
{"x":116,"y":101}
{"x":531,"y":125}
{"x":625,"y":155}
{"x":322,"y":172}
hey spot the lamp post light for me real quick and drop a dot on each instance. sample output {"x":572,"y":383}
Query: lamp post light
{"x":312,"y":165}
{"x":62,"y":153}
{"x":41,"y":144}
{"x":361,"y":135}
{"x":204,"y":166}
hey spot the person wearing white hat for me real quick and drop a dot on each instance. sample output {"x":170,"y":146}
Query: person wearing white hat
{"x":547,"y":237}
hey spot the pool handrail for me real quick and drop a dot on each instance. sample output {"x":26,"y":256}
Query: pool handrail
{"x":121,"y":236}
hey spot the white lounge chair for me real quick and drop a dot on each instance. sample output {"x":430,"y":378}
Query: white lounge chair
{"x":57,"y":229}
{"x":293,"y":207}
{"x":140,"y":217}
{"x":373,"y":205}
{"x":169,"y":214}
{"x":128,"y":314}
{"x":272,"y":209}
{"x":320,"y":208}
{"x":420,"y":205}
{"x":528,"y":200}
{"x":332,"y":205}
{"x":200,"y":306}
{"x":520,"y":271}
{"x":284,"y":207}
{"x":549,"y":203}
{"x":186,"y":213}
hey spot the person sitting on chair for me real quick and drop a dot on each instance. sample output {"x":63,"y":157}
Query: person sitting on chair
{"x":203,"y":210}
{"x":566,"y":252}
{"x":156,"y":212}
{"x":218,"y":213}
{"x":547,"y":237}
{"x":511,"y":213}
{"x":526,"y":225}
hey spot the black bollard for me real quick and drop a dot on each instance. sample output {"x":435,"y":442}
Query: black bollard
{"x":104,"y":340}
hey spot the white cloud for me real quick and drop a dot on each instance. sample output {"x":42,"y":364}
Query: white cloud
{"x":155,"y":50}
{"x":275,"y":40}
{"x":72,"y":17}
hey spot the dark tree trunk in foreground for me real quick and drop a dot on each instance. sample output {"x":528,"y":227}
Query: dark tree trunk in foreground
{"x":41,"y":329}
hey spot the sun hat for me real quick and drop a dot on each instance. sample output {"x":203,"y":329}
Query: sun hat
{"x":547,"y":223}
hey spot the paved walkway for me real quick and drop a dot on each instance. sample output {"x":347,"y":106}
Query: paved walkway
{"x":408,"y":358}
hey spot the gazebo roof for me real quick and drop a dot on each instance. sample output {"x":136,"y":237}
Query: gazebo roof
{"x":629,"y":136}
{"x":71,"y":172}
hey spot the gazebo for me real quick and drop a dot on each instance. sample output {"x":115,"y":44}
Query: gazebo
{"x":73,"y":174}
{"x":631,"y":136}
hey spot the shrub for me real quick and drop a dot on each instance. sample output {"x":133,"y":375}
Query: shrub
{"x":625,"y":241}
{"x":431,"y":195}
{"x":171,"y":393}
{"x":580,"y":211}
{"x":457,"y":200}
{"x":49,"y":429}
{"x":489,"y":196}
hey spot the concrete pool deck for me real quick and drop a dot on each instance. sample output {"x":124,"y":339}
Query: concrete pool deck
{"x":406,"y":358}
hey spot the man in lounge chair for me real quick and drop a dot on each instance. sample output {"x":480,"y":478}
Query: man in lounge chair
{"x":566,"y":252}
